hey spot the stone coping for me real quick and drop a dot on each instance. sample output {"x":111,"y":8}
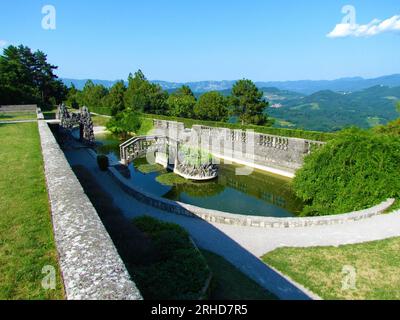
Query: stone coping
{"x":18,"y":108}
{"x":89,"y":262}
{"x":39,"y":114}
{"x":243,"y":220}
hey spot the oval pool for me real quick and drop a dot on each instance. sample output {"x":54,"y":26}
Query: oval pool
{"x":260,"y":193}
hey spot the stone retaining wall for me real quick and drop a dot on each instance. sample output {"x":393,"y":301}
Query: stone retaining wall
{"x":89,"y":262}
{"x":277,"y":154}
{"x":243,"y":220}
{"x":19,"y":108}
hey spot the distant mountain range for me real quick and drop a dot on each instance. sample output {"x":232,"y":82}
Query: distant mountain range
{"x":302,"y":86}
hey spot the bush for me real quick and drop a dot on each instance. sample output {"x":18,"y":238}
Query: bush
{"x":124,"y":123}
{"x":356,"y":170}
{"x":103,"y":163}
{"x":392,"y":128}
{"x":181,"y":271}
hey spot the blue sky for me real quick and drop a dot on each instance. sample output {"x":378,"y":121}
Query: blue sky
{"x":179,"y":40}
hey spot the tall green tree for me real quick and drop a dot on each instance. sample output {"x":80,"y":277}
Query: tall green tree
{"x":93,"y":95}
{"x":212,"y":106}
{"x":248,"y":103}
{"x":72,"y":99}
{"x":115,"y":100}
{"x":185,"y":91}
{"x":181,"y":103}
{"x":143,"y":96}
{"x":125,"y":123}
{"x":27,"y":77}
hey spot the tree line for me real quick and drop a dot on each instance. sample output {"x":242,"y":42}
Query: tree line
{"x":27,"y":78}
{"x":141,"y":96}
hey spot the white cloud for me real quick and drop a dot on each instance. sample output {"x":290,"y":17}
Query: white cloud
{"x":3,"y":43}
{"x":373,"y":28}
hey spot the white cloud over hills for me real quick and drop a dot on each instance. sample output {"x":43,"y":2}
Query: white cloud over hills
{"x":3,"y":43}
{"x":373,"y":28}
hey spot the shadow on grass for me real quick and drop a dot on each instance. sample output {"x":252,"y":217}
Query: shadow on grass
{"x":138,"y":252}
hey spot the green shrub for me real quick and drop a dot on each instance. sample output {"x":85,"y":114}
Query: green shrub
{"x":392,"y":128}
{"x":356,"y":170}
{"x":180,"y":272}
{"x":194,"y":156}
{"x":103,"y":163}
{"x":101,"y":110}
{"x":153,"y":226}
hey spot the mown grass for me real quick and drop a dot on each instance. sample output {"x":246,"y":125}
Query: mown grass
{"x":324,"y":270}
{"x":100,"y":121}
{"x":26,"y":236}
{"x":17,"y":116}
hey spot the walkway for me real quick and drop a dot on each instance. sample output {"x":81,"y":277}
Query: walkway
{"x":242,"y":245}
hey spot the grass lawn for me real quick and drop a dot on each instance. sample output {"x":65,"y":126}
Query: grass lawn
{"x":49,"y":115}
{"x":15,"y":116}
{"x":100,"y":121}
{"x":26,"y":236}
{"x":229,"y":283}
{"x":323,"y":270}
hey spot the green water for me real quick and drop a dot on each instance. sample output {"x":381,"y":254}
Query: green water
{"x":258,"y":194}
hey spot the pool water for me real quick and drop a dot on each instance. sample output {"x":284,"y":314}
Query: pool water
{"x":260,"y":193}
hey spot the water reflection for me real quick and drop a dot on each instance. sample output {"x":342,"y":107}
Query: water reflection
{"x":256,"y":194}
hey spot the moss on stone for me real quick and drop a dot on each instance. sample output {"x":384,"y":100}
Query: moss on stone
{"x":171,"y":179}
{"x":150,"y":168}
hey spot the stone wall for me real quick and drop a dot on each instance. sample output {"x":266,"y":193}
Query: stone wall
{"x":89,"y":262}
{"x":18,"y":108}
{"x":281,"y":155}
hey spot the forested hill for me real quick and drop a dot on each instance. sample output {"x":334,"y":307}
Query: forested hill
{"x":305,"y":87}
{"x":330,"y":111}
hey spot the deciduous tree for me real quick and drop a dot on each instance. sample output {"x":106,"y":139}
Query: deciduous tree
{"x":212,"y":106}
{"x":181,"y":103}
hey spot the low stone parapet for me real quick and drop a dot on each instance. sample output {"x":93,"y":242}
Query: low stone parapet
{"x":18,"y":108}
{"x":216,"y":216}
{"x":90,"y":265}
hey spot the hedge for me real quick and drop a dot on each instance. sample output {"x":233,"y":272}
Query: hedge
{"x":293,"y":133}
{"x":181,"y":270}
